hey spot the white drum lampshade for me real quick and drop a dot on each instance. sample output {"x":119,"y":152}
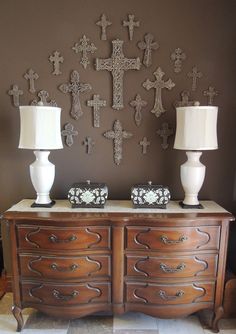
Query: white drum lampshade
{"x":40,"y":130}
{"x":196,"y":131}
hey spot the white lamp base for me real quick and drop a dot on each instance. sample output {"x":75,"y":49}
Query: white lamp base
{"x":192,"y":174}
{"x":42,"y":173}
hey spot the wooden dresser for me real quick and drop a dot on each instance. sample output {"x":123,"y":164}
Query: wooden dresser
{"x":72,"y":262}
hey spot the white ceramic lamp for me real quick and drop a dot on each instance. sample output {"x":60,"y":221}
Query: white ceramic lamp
{"x":40,"y":130}
{"x":196,"y":131}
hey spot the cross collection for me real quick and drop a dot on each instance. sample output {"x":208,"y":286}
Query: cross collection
{"x":117,"y":65}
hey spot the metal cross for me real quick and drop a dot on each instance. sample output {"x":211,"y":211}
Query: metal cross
{"x":148,"y":45}
{"x":103,"y":23}
{"x":43,"y":99}
{"x":118,"y":134}
{"x":56,"y":59}
{"x":158,"y":85}
{"x":131,"y":24}
{"x":184,"y":100}
{"x":178,"y":56}
{"x":15,"y":92}
{"x":138,"y":104}
{"x":31,"y":76}
{"x":89,"y":143}
{"x":96,"y":104}
{"x":84,"y":48}
{"x":210,"y":93}
{"x":144,"y":143}
{"x":117,"y":65}
{"x":165,"y":133}
{"x":68,"y":133}
{"x":75,"y":87}
{"x":194,"y":75}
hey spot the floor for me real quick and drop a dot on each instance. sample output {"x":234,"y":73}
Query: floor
{"x":130,"y":323}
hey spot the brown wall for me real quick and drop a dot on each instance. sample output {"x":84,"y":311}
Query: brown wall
{"x":31,"y":30}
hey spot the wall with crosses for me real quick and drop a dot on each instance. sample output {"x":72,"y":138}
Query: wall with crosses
{"x":117,"y":69}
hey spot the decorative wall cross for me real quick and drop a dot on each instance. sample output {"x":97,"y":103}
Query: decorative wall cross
{"x":178,"y":56}
{"x":144,"y":143}
{"x":117,"y":65}
{"x":103,"y":23}
{"x":184,"y":100}
{"x":148,"y":45}
{"x":131,"y":24}
{"x":138,"y":104}
{"x":75,"y":87}
{"x":158,"y":85}
{"x":210,"y":93}
{"x":56,"y":59}
{"x":84,"y":47}
{"x":68,"y":133}
{"x":15,"y":92}
{"x":96,"y":104}
{"x":88,"y":143}
{"x":43,"y":99}
{"x":31,"y":76}
{"x":118,"y":134}
{"x":165,"y":132}
{"x":194,"y":75}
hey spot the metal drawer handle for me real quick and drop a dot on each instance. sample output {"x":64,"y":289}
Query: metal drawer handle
{"x":59,"y":296}
{"x":73,"y":267}
{"x":165,"y":240}
{"x":164,"y":267}
{"x":164,"y":296}
{"x":53,"y":238}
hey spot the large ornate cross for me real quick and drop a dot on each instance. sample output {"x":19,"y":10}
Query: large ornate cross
{"x":178,"y":56}
{"x":68,"y":133}
{"x":138,"y":104}
{"x":56,"y":59}
{"x":75,"y":87}
{"x":84,"y":47}
{"x":165,"y":133}
{"x":118,"y":134}
{"x":103,"y":23}
{"x":96,"y":104}
{"x":117,"y":65}
{"x":210,"y":93}
{"x":148,"y":45}
{"x":131,"y":24}
{"x":194,"y":75}
{"x":15,"y":92}
{"x":31,"y":76}
{"x":158,"y":85}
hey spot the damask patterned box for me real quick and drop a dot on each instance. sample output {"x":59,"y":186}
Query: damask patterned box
{"x":88,"y":195}
{"x":150,"y":196}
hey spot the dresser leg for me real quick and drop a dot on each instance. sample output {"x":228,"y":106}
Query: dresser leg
{"x":218,"y":315}
{"x":17,"y":312}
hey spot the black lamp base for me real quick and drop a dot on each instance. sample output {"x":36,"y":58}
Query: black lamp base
{"x":186,"y":206}
{"x":48,"y":205}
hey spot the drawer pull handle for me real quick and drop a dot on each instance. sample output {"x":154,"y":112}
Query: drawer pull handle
{"x":73,"y":267}
{"x":61,"y":297}
{"x":165,"y":240}
{"x":164,"y":267}
{"x":164,"y":296}
{"x":53,"y":238}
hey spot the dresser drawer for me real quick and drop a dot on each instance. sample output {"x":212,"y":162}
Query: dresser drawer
{"x":58,"y":267}
{"x":174,"y":266}
{"x":63,"y":238}
{"x":65,"y":294}
{"x":173,"y":238}
{"x":167,"y":294}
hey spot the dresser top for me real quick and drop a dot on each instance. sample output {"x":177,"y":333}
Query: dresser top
{"x":117,"y":206}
